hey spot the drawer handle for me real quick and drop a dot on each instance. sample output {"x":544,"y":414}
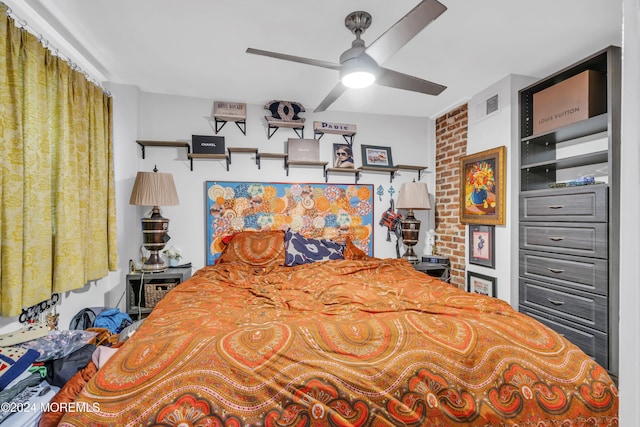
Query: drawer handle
{"x":555,"y":206}
{"x":555,"y":270}
{"x":556,"y":238}
{"x":555,"y":301}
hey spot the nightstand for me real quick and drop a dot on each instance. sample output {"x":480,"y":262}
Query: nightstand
{"x":135,"y":298}
{"x":440,"y":270}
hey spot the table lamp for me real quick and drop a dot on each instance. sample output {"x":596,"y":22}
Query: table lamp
{"x":154,"y":189}
{"x":412,"y":196}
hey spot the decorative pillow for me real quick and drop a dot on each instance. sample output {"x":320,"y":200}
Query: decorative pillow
{"x":255,"y":248}
{"x":352,"y":252}
{"x":302,"y":250}
{"x":286,"y":111}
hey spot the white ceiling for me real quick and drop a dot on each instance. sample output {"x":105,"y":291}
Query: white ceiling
{"x":197,"y":47}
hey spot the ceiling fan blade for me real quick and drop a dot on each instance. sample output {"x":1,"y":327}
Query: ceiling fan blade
{"x":299,"y":59}
{"x":404,"y":30}
{"x":398,"y":80}
{"x":335,"y":93}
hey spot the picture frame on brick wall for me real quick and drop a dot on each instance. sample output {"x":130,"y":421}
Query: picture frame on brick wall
{"x":482,"y":187}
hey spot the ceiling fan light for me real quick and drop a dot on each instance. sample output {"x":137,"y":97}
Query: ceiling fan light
{"x":358,"y":79}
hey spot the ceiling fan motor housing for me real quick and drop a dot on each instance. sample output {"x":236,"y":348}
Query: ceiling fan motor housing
{"x":357,"y":22}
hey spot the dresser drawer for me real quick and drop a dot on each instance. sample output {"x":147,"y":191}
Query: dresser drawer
{"x":593,"y":343}
{"x":587,"y":203}
{"x":586,"y":274}
{"x":584,"y":239}
{"x":576,"y":306}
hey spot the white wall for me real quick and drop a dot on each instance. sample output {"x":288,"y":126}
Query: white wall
{"x":487,"y":131}
{"x":629,"y":208}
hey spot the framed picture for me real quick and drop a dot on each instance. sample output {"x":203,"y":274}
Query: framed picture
{"x":376,"y":156}
{"x":342,"y":156}
{"x":480,"y":284}
{"x":481,"y":248}
{"x":482,"y":187}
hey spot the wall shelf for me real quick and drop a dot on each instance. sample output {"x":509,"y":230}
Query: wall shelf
{"x":391,"y":170}
{"x":355,"y":172}
{"x":220,"y":121}
{"x":243,"y":150}
{"x":143,"y":143}
{"x":274,"y":125}
{"x":210,"y":157}
{"x":347,"y":131}
{"x":260,"y":156}
{"x":288,"y":163}
{"x":419,"y":169}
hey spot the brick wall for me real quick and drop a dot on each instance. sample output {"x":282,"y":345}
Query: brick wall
{"x":451,"y":144}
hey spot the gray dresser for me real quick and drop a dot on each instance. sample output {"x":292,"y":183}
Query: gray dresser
{"x":564,"y":264}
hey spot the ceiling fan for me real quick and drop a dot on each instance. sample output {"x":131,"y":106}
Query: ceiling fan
{"x":359,"y":65}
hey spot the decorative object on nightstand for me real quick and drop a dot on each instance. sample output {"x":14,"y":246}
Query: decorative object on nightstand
{"x":431,"y":241}
{"x":413,"y":196}
{"x":173,"y":255}
{"x":154,"y":189}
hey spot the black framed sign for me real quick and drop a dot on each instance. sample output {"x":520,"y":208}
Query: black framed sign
{"x":481,"y":245}
{"x":481,"y":284}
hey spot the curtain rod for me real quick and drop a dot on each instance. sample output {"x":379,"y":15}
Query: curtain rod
{"x":24,"y":25}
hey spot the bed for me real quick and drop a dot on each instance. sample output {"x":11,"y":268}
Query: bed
{"x":344,"y":340}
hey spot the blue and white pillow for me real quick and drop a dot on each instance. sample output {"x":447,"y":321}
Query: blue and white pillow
{"x":303,"y":250}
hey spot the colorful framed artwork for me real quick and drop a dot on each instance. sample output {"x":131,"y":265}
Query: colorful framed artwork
{"x":482,"y":187}
{"x":481,"y":247}
{"x":376,"y":156}
{"x":342,"y":156}
{"x":320,"y":211}
{"x":481,"y":284}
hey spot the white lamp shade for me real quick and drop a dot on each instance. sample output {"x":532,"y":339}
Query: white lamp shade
{"x":413,"y":195}
{"x":154,"y":189}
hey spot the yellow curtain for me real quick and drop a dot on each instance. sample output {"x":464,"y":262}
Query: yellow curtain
{"x":57,"y":195}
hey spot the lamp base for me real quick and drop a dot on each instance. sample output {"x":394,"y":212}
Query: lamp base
{"x":154,"y":233}
{"x":410,"y":227}
{"x":154,"y":264}
{"x":411,"y":256}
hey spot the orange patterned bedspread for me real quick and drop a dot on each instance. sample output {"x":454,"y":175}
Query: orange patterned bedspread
{"x":343,"y":343}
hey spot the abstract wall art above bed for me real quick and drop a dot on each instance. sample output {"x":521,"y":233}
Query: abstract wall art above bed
{"x":326,"y":211}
